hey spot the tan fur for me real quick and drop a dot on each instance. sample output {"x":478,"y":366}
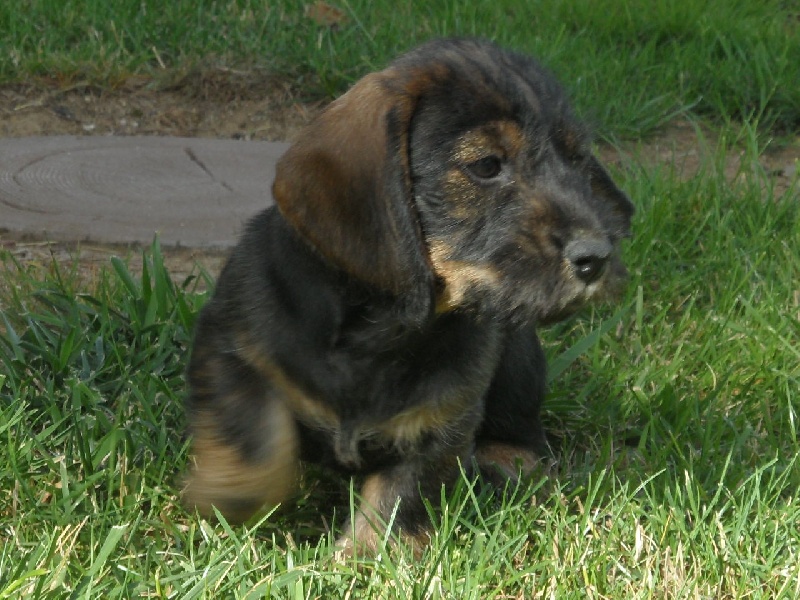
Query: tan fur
{"x":460,"y":278}
{"x":503,"y":138}
{"x":406,"y":428}
{"x":510,"y":461}
{"x":365,"y":534}
{"x":238,"y":488}
{"x":306,"y":408}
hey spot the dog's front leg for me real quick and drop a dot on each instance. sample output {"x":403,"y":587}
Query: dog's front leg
{"x":394,"y":498}
{"x":511,"y":440}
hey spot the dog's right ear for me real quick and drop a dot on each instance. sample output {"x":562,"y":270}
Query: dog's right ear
{"x":345,"y":186}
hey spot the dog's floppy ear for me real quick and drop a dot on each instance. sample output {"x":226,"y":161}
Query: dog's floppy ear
{"x":345,"y":186}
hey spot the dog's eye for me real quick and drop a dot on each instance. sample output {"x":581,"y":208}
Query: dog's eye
{"x":487,"y":167}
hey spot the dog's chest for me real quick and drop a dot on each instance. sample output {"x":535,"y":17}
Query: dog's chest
{"x":394,"y":402}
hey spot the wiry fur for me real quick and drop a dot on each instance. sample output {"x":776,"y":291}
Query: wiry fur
{"x":381,"y":319}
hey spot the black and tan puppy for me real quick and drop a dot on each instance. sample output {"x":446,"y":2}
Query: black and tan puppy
{"x":381,"y":319}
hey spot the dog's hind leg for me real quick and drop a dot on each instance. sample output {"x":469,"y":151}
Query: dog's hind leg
{"x":245,"y":444}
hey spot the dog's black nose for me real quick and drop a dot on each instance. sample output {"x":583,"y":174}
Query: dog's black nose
{"x":588,"y":258}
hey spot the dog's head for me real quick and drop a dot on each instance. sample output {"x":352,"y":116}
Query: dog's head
{"x":459,"y":178}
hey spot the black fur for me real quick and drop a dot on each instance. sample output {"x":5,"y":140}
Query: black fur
{"x":386,"y":308}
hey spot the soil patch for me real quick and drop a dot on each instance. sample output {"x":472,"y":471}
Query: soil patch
{"x":219,"y":104}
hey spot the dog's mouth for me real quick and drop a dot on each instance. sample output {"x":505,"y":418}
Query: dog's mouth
{"x":569,"y":307}
{"x":514,"y":297}
{"x":519,"y":286}
{"x":583,"y":286}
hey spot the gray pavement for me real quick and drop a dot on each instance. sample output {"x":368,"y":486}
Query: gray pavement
{"x":193,"y":192}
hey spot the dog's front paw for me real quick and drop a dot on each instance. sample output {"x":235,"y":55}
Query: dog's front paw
{"x":363,"y":538}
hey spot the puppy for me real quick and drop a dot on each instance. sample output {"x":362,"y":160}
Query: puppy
{"x":381,"y":318}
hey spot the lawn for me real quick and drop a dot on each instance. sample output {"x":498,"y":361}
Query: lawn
{"x":676,"y":411}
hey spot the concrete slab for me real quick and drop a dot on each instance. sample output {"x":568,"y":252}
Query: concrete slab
{"x":192,"y":192}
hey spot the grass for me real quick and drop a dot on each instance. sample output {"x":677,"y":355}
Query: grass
{"x":723,"y":59}
{"x":677,"y":411}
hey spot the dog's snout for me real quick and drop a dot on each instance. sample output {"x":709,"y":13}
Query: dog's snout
{"x":588,"y":258}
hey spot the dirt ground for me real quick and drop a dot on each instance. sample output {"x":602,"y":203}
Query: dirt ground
{"x":227,"y":104}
